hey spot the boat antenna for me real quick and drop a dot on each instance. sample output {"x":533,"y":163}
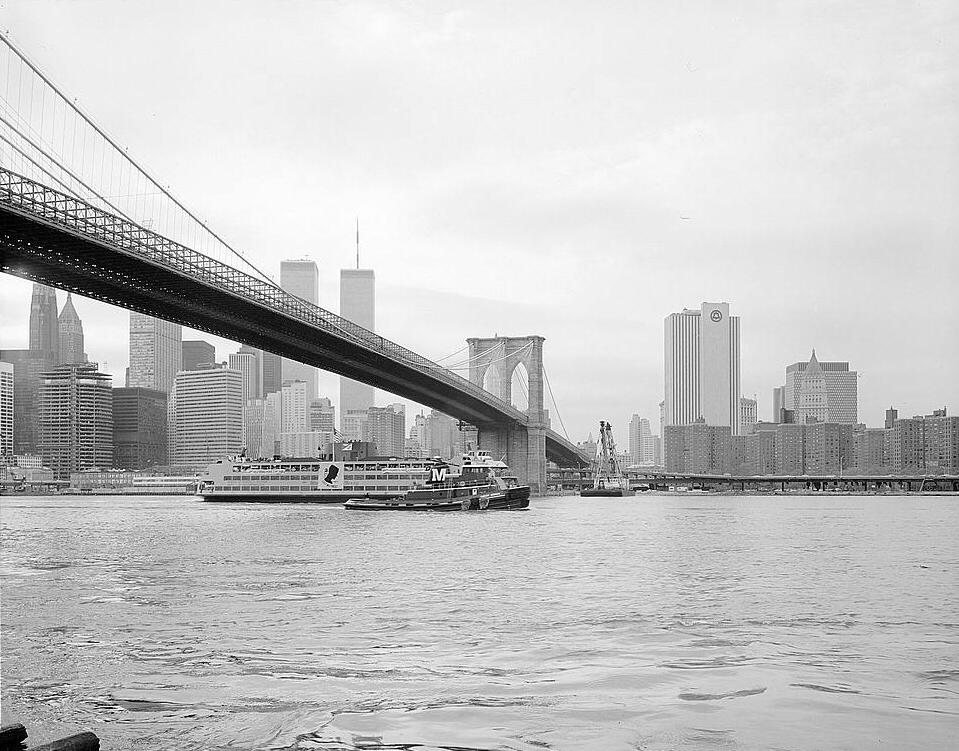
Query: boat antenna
{"x":357,"y":242}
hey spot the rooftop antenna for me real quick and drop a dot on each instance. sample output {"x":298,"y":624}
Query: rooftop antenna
{"x":357,"y":242}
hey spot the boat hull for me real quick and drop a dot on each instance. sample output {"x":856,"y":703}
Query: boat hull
{"x":606,"y":492}
{"x":507,"y":500}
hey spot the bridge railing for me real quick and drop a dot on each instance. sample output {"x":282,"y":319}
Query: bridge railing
{"x":91,"y":222}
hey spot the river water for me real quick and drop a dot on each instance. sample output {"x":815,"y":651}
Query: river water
{"x":655,"y":622}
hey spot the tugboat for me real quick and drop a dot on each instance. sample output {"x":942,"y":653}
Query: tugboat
{"x":608,"y":477}
{"x":479,"y":483}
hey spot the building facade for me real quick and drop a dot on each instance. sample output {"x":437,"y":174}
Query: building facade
{"x":301,"y":278}
{"x":828,"y":448}
{"x":641,"y":442}
{"x":926,"y":444}
{"x":295,"y":409}
{"x":155,"y":353}
{"x":702,"y":368}
{"x":70,"y":334}
{"x":27,"y":365}
{"x":75,"y":419}
{"x":305,"y":444}
{"x":748,"y":415}
{"x":196,"y":355}
{"x":322,"y":415}
{"x":139,"y":428}
{"x":386,"y":429}
{"x":698,"y":448}
{"x":6,"y":413}
{"x":256,"y":386}
{"x":869,"y":449}
{"x":246,"y":363}
{"x":44,"y":324}
{"x":821,"y":391}
{"x":207,"y":416}
{"x":358,"y":305}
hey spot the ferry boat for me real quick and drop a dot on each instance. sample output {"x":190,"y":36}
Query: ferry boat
{"x":478,"y":483}
{"x":312,"y":480}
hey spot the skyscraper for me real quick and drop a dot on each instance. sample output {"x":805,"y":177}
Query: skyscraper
{"x":295,"y":407}
{"x":155,"y":353}
{"x":640,"y":441}
{"x":70,"y":335}
{"x":75,"y":419}
{"x":702,"y":367}
{"x":246,"y":363}
{"x":207,"y":416}
{"x":256,"y":387}
{"x":301,"y":278}
{"x":272,"y":372}
{"x":27,"y":364}
{"x":821,"y":391}
{"x":386,"y":427}
{"x":779,"y":403}
{"x":44,"y":325}
{"x":196,"y":355}
{"x":6,"y":412}
{"x":139,"y":428}
{"x":322,"y":415}
{"x":357,"y":304}
{"x":748,"y":415}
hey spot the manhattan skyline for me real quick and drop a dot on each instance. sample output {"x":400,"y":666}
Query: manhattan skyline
{"x":773,"y":160}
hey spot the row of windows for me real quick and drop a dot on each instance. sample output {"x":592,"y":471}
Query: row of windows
{"x":308,"y":488}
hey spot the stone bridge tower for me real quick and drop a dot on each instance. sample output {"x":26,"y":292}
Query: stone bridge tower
{"x":523,"y":445}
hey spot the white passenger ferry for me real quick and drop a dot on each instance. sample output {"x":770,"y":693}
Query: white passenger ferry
{"x":312,"y":480}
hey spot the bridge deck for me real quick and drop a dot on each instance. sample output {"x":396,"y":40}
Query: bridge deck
{"x":56,"y":239}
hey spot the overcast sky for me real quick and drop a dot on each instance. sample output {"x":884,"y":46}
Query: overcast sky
{"x":574,"y":170}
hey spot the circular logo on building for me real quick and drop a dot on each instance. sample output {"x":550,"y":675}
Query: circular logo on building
{"x":716,"y":315}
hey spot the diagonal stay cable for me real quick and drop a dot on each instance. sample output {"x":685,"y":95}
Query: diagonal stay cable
{"x":122,"y":152}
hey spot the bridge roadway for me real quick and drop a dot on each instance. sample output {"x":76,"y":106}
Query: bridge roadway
{"x":53,"y":238}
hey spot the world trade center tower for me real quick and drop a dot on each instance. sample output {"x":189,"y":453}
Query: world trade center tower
{"x":357,"y":304}
{"x":301,"y":278}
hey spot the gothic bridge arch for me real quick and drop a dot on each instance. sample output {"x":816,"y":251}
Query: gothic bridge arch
{"x":524,"y":446}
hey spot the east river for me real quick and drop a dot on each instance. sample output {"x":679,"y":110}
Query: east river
{"x":654,"y":622}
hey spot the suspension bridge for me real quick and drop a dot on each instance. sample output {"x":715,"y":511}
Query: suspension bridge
{"x":78,"y":213}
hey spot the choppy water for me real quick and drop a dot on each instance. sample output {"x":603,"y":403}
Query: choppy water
{"x":648,"y":623}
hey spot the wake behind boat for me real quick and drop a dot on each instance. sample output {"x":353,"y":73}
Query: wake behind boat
{"x":479,"y":483}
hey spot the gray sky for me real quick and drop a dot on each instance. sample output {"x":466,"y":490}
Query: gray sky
{"x":574,"y":170}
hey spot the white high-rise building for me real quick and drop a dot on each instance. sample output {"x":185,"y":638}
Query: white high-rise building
{"x":322,"y":415}
{"x":386,"y":428}
{"x":309,"y":443}
{"x":6,"y":412}
{"x":641,"y":450}
{"x":295,"y":409}
{"x":301,"y":278}
{"x":155,"y":353}
{"x":257,"y":371}
{"x":246,"y":363}
{"x":207,"y":416}
{"x":702,"y":367}
{"x":358,"y":305}
{"x":353,"y":423}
